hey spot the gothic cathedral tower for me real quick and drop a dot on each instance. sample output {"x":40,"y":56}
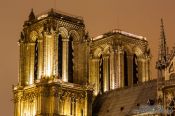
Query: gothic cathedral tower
{"x":53,"y":75}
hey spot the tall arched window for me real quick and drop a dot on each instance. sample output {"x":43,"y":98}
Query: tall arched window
{"x":60,"y":45}
{"x":36,"y":60}
{"x":125,"y":69}
{"x":101,"y":74}
{"x":109,"y":73}
{"x":70,"y":60}
{"x":135,"y":70}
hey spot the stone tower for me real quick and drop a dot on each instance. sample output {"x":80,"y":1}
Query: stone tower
{"x":53,"y":77}
{"x":118,"y":59}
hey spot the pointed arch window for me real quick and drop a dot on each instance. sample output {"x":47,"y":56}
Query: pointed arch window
{"x":36,"y":60}
{"x":125,"y":69}
{"x":60,"y":45}
{"x":70,"y":60}
{"x":101,"y":74}
{"x":135,"y":69}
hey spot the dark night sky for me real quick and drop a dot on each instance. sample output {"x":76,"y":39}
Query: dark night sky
{"x":141,"y":17}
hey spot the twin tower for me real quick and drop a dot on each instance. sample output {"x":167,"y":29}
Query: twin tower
{"x":62,"y":69}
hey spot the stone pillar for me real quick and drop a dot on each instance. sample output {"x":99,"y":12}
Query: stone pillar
{"x":73,"y":107}
{"x":48,"y":55}
{"x":54,"y":101}
{"x":119,"y":67}
{"x":112,"y":70}
{"x":29,"y":63}
{"x":17,"y":104}
{"x":21,"y":75}
{"x":77,"y":108}
{"x":65,"y":60}
{"x":41,"y":101}
{"x":55,"y":57}
{"x":61,"y":106}
{"x":147,"y":71}
{"x":94,"y":74}
{"x":141,"y":70}
{"x":130,"y":69}
{"x":86,"y":105}
{"x":144,"y":69}
{"x":40,"y":59}
{"x":106,"y":73}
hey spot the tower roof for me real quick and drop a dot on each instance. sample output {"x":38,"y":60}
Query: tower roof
{"x":55,"y":14}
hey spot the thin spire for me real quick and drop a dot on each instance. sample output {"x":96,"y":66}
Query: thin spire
{"x":163,"y":45}
{"x":32,"y":15}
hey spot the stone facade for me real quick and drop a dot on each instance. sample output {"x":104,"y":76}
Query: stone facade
{"x":65,"y":72}
{"x":53,"y":78}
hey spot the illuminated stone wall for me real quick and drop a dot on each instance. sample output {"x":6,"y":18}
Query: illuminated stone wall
{"x":53,"y":67}
{"x":61,"y":69}
{"x":118,"y":59}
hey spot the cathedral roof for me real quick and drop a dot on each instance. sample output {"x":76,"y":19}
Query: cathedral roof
{"x":56,"y":14}
{"x":125,"y":101}
{"x":117,"y":31}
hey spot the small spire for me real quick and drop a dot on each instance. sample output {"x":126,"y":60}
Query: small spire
{"x":162,"y":56}
{"x":51,"y":12}
{"x":32,"y":15}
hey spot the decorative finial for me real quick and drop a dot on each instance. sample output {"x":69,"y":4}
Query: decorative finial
{"x":51,"y":12}
{"x":32,"y":15}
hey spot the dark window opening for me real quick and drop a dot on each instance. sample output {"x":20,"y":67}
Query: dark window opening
{"x":135,"y":70}
{"x":125,"y":69}
{"x":36,"y":61}
{"x":60,"y":45}
{"x":109,"y":73}
{"x":122,"y":108}
{"x":101,"y":74}
{"x":70,"y":61}
{"x":82,"y":112}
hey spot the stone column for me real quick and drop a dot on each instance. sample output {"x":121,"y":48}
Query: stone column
{"x":77,"y":107}
{"x":30,"y":61}
{"x":48,"y":55}
{"x":40,"y":59}
{"x":106,"y":73}
{"x":55,"y":64}
{"x":26,"y":64}
{"x":94,"y":74}
{"x":112,"y":70}
{"x":17,"y":104}
{"x":61,"y":106}
{"x":54,"y":101}
{"x":41,"y":101}
{"x":119,"y":67}
{"x":147,"y":71}
{"x":21,"y":65}
{"x":141,"y":70}
{"x":65,"y":60}
{"x":73,"y":107}
{"x":88,"y":104}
